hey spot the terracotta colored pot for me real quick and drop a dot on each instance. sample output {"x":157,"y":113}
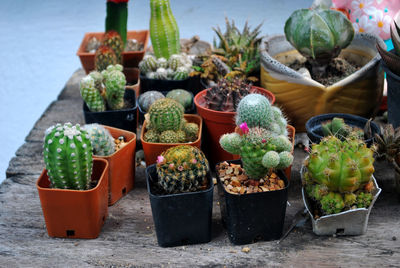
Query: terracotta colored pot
{"x":129,"y":59}
{"x":152,"y":150}
{"x":74,"y":213}
{"x":217,"y":123}
{"x":121,"y":164}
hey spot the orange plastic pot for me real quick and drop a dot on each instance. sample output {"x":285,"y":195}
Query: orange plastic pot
{"x":129,"y":58}
{"x":74,"y":213}
{"x":152,"y":150}
{"x":121,"y":166}
{"x":217,"y":123}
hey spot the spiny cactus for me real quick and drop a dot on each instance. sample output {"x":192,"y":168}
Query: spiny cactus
{"x":148,"y":64}
{"x":319,"y":35}
{"x":388,"y":144}
{"x":182,"y":169}
{"x":343,"y":169}
{"x":340,"y":129}
{"x":191,"y":130}
{"x":226,"y":95}
{"x":151,"y":135}
{"x":91,"y":95}
{"x":68,"y":157}
{"x":102,"y":142}
{"x":181,"y":73}
{"x":165,"y":114}
{"x":117,"y":17}
{"x":182,"y":96}
{"x":177,"y":67}
{"x":104,"y":56}
{"x":164,"y":32}
{"x":148,"y":98}
{"x":115,"y":89}
{"x":113,"y":40}
{"x":169,"y":136}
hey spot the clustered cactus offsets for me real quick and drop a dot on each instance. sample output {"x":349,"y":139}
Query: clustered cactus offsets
{"x":110,"y":51}
{"x":108,"y":87}
{"x":337,"y":127}
{"x":338,"y":174}
{"x":177,"y":67}
{"x":165,"y":123}
{"x":264,"y":146}
{"x":182,"y":168}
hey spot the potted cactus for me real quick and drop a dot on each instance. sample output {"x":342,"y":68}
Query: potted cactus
{"x":339,"y":189}
{"x":117,"y":147}
{"x":391,"y":64}
{"x":217,"y":106}
{"x":166,"y":126}
{"x":73,"y":186}
{"x":252,"y":209}
{"x":181,"y":196}
{"x":107,"y":101}
{"x":320,"y":66}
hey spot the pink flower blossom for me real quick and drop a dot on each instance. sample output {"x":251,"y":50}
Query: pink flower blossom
{"x":160,"y":159}
{"x":194,"y":161}
{"x":180,"y":168}
{"x":171,"y":166}
{"x":263,"y":140}
{"x":243,"y":126}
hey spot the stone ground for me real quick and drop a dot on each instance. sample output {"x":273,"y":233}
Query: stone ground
{"x":128,"y":237}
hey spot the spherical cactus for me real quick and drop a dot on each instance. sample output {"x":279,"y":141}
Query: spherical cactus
{"x":148,"y":64}
{"x":68,"y":157}
{"x":332,"y":203}
{"x":182,"y":169}
{"x":181,"y":73}
{"x":104,"y":56}
{"x":169,"y":136}
{"x":148,"y":98}
{"x":161,"y":74}
{"x":152,"y":136}
{"x":255,"y":110}
{"x":166,"y":114}
{"x":281,"y":143}
{"x":182,"y":96}
{"x":91,"y":95}
{"x":115,"y":89}
{"x":113,"y":40}
{"x":162,"y":63}
{"x":270,"y":159}
{"x":175,"y":61}
{"x":319,"y":34}
{"x":231,"y":143}
{"x":181,"y":135}
{"x":192,"y":131}
{"x":102,"y":142}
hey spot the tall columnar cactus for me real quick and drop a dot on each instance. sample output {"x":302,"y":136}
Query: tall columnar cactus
{"x":182,"y":169}
{"x":164,"y":31}
{"x":91,"y":95}
{"x":166,"y":114}
{"x":319,"y":35}
{"x":68,"y":157}
{"x":117,"y":17}
{"x":113,"y":40}
{"x":339,"y":174}
{"x":104,"y":57}
{"x":102,"y":142}
{"x":115,"y":89}
{"x":260,"y":150}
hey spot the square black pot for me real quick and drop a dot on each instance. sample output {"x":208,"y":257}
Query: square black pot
{"x":180,"y":219}
{"x":253,"y":217}
{"x":125,"y":119}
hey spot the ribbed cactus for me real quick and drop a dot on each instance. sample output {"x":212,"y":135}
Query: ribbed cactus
{"x":181,"y":73}
{"x":113,"y":40}
{"x":182,"y":96}
{"x":164,"y":32}
{"x":117,"y":17}
{"x":148,"y":64}
{"x":341,"y":168}
{"x":115,"y":89}
{"x":68,"y":157}
{"x":148,"y":98}
{"x":104,"y":56}
{"x":91,"y":95}
{"x":175,"y":61}
{"x":182,"y":169}
{"x":169,"y":136}
{"x":191,"y":130}
{"x":102,"y":142}
{"x":319,"y":35}
{"x":166,"y":114}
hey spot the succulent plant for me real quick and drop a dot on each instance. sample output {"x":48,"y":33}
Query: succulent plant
{"x":68,"y":157}
{"x":342,"y":171}
{"x":191,"y":130}
{"x":164,"y":32}
{"x":226,"y":95}
{"x":115,"y":89}
{"x":181,"y":74}
{"x":182,"y":96}
{"x":91,"y":95}
{"x":392,"y":59}
{"x":148,"y":64}
{"x":182,"y":169}
{"x":102,"y":142}
{"x":319,"y":35}
{"x":387,"y":145}
{"x":177,"y":67}
{"x":113,"y":40}
{"x":165,"y":114}
{"x":148,"y":98}
{"x":152,"y":135}
{"x":117,"y":17}
{"x":337,"y":127}
{"x":104,"y":57}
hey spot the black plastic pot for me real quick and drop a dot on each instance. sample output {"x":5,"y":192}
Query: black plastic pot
{"x":180,"y":219}
{"x":125,"y":119}
{"x":191,"y":84}
{"x":252,"y":217}
{"x":393,"y":96}
{"x":314,"y":127}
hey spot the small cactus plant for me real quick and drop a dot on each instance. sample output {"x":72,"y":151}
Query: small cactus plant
{"x":113,"y":40}
{"x":182,"y":96}
{"x":68,"y":157}
{"x":148,"y":98}
{"x":115,"y":89}
{"x":177,"y":67}
{"x":102,"y":142}
{"x":339,"y":174}
{"x":164,"y":32}
{"x":104,"y":57}
{"x":91,"y":95}
{"x":182,"y":168}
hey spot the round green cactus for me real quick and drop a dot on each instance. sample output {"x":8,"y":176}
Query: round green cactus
{"x":91,"y":95}
{"x":332,"y":203}
{"x":255,"y":110}
{"x":102,"y":142}
{"x":104,"y":56}
{"x":169,"y":136}
{"x":67,"y":154}
{"x":148,"y":98}
{"x":175,"y":61}
{"x":182,"y":96}
{"x":319,"y":34}
{"x":152,"y":135}
{"x":148,"y":64}
{"x":165,"y":114}
{"x":181,"y":73}
{"x":182,"y":169}
{"x":162,"y":63}
{"x":191,"y":130}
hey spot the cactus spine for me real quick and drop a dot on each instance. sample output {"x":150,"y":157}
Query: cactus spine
{"x":68,"y":157}
{"x":102,"y":142}
{"x":164,"y":30}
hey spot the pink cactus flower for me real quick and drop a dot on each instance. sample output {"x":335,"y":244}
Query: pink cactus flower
{"x":194,"y":161}
{"x":171,"y":166}
{"x":160,"y":159}
{"x":180,"y":168}
{"x":263,"y":140}
{"x":243,"y":126}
